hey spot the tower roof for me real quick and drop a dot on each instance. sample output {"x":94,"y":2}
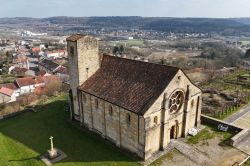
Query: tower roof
{"x":130,"y":84}
{"x":75,"y":37}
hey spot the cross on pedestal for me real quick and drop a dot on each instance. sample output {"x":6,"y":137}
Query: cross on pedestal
{"x":51,"y":143}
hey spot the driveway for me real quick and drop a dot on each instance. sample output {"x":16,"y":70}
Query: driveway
{"x":244,"y":145}
{"x":241,"y":118}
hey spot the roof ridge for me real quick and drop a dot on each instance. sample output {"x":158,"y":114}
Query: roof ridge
{"x":137,"y":61}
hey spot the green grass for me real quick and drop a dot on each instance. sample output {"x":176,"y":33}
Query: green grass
{"x":209,"y":133}
{"x":169,"y":156}
{"x":24,"y":138}
{"x":246,"y":75}
{"x":247,"y":163}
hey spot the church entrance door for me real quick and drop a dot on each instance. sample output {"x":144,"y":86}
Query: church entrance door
{"x":174,"y":131}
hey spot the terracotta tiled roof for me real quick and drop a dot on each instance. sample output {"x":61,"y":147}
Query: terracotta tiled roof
{"x":61,"y":70}
{"x":26,"y":81}
{"x":133,"y":85}
{"x":12,"y":86}
{"x":39,"y":80}
{"x":6,"y":91}
{"x":75,"y":37}
{"x":41,"y":73}
{"x":56,"y":51}
{"x":19,"y":70}
{"x":51,"y":78}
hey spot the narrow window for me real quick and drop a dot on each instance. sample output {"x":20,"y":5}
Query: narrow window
{"x":96,"y":104}
{"x":71,"y":50}
{"x":128,"y":119}
{"x":156,"y":120}
{"x":110,"y":110}
{"x":192,"y":103}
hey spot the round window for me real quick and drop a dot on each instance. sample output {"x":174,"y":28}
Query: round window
{"x":176,"y":101}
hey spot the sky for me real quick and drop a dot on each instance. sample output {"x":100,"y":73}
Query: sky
{"x":146,"y":8}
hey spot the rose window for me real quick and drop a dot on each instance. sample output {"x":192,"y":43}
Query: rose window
{"x":176,"y":101}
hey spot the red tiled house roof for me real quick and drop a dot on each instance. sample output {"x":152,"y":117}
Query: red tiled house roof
{"x":133,"y":85}
{"x":12,"y":86}
{"x":6,"y":91}
{"x":25,"y":81}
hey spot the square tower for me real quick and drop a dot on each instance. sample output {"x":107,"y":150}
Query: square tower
{"x":84,"y":61}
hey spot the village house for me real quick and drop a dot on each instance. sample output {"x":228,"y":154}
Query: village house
{"x":12,"y":86}
{"x":48,"y":65}
{"x":136,"y":105}
{"x":7,"y":95}
{"x":11,"y":91}
{"x":28,"y":84}
{"x":56,"y":54}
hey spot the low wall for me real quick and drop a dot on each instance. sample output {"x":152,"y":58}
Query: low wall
{"x":11,"y":115}
{"x":215,"y":122}
{"x":239,"y":137}
{"x":240,"y":133}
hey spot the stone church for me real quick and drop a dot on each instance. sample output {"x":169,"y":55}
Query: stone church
{"x":136,"y":105}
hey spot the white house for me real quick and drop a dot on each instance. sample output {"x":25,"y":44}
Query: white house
{"x":7,"y":95}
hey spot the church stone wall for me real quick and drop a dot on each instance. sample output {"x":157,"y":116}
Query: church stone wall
{"x":185,"y":118}
{"x":122,"y":127}
{"x":73,"y":74}
{"x":88,"y":57}
{"x":83,"y":62}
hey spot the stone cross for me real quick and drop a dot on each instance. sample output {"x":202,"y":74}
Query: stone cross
{"x":51,"y":143}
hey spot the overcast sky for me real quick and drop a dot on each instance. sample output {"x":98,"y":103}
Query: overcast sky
{"x":164,"y":8}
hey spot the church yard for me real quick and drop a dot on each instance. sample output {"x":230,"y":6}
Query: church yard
{"x":24,"y":138}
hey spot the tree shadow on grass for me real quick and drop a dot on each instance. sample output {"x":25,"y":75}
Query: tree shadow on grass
{"x":34,"y":129}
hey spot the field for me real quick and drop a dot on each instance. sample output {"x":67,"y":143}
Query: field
{"x":24,"y":138}
{"x":129,"y":43}
{"x":245,"y":42}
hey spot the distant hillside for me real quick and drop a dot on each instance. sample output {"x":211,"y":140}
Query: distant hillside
{"x":237,"y":26}
{"x":242,"y":20}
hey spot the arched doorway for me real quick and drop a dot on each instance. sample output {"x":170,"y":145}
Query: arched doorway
{"x":174,"y":130}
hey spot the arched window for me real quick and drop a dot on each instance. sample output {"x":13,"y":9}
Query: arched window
{"x":110,"y":110}
{"x":128,"y":119}
{"x":176,"y":101}
{"x":96,"y":104}
{"x":192,"y":103}
{"x":156,"y":120}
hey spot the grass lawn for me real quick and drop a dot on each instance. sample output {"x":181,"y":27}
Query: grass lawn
{"x":168,"y":156}
{"x":209,"y":133}
{"x":24,"y":138}
{"x":247,"y":163}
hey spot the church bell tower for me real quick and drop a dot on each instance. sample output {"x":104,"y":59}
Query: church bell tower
{"x":83,"y":55}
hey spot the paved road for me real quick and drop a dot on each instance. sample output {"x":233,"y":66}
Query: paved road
{"x":191,"y":152}
{"x":244,"y":145}
{"x":237,"y":115}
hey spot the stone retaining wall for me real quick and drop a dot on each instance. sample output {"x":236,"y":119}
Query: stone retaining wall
{"x":240,"y":133}
{"x":206,"y":120}
{"x":239,"y":137}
